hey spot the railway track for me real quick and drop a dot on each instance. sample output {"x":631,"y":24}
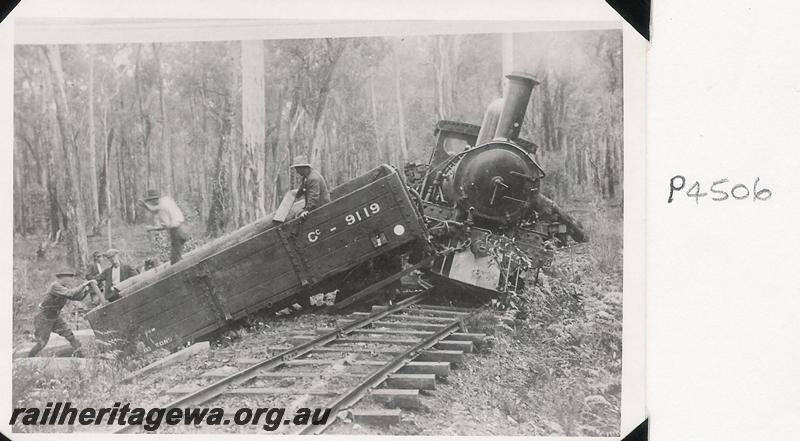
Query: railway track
{"x":367,"y":370}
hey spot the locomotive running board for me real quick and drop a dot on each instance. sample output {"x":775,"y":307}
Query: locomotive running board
{"x":385,"y":282}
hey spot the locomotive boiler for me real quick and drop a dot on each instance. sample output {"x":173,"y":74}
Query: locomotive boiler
{"x":480,"y":195}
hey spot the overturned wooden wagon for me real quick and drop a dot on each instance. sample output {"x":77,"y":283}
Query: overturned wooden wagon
{"x":265,"y":264}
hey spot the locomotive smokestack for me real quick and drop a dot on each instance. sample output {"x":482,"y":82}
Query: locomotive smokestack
{"x":518,"y":93}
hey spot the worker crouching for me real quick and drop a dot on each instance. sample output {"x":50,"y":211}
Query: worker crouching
{"x":312,"y":193}
{"x":48,"y":319}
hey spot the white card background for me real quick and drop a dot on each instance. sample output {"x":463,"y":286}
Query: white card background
{"x":724,"y":277}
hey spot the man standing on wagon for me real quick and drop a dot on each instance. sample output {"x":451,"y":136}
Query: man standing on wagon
{"x":313,"y":186}
{"x":48,"y":319}
{"x":168,"y":217}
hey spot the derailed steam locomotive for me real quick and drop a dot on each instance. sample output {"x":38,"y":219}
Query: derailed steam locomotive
{"x":480,"y":196}
{"x":473,"y":216}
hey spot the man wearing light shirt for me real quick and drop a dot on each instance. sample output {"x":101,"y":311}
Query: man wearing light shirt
{"x":115,"y":274}
{"x":168,"y":217}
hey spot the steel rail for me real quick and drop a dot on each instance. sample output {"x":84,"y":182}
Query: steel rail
{"x":217,"y":388}
{"x":356,"y":393}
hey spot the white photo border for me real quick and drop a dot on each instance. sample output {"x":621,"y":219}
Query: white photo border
{"x":40,"y":22}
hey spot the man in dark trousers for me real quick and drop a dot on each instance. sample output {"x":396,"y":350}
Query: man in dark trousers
{"x":48,"y":319}
{"x":313,"y":186}
{"x":115,"y":274}
{"x":168,"y":217}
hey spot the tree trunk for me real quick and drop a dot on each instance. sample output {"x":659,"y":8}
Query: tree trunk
{"x":203,"y":181}
{"x":445,"y":58}
{"x":285,"y":134}
{"x":146,"y":121}
{"x":54,"y":212}
{"x":51,"y":153}
{"x":273,"y":167}
{"x":102,"y":183}
{"x":610,"y":169}
{"x":437,"y":78}
{"x":401,"y":120}
{"x":104,"y":202}
{"x":20,"y":223}
{"x":549,"y":208}
{"x":569,"y":164}
{"x":335,"y":49}
{"x":547,"y":116}
{"x":122,"y":180}
{"x":220,"y":211}
{"x":236,"y":211}
{"x":254,"y":114}
{"x":106,"y":187}
{"x":94,"y":209}
{"x":374,"y":106}
{"x":216,"y":221}
{"x":78,"y":248}
{"x":167,"y":155}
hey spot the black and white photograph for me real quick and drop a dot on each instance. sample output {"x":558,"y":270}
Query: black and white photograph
{"x":387,"y":230}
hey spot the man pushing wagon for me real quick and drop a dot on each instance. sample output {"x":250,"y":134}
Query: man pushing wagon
{"x":48,"y":319}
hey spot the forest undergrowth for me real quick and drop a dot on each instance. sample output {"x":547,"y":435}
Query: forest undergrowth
{"x":572,"y":323}
{"x":555,"y":367}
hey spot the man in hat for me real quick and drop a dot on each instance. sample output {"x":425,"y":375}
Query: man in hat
{"x":115,"y":274}
{"x":95,"y":268}
{"x":48,"y":318}
{"x":168,"y":217}
{"x":313,"y":186}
